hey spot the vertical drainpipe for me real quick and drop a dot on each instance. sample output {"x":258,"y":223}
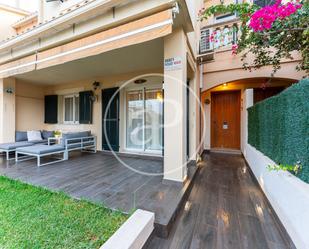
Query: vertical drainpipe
{"x":201,"y":87}
{"x":201,"y":75}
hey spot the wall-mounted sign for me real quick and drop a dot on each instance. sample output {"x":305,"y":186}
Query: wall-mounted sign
{"x":171,"y":64}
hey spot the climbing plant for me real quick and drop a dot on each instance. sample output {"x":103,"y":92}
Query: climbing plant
{"x":271,"y":34}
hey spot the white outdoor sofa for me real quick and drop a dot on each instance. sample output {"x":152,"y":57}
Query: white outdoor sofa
{"x":21,"y":141}
{"x":82,"y":141}
{"x":39,"y":151}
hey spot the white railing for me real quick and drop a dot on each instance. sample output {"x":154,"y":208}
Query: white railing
{"x":218,"y":37}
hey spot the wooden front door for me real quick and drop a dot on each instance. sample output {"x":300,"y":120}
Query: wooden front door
{"x":225,"y":120}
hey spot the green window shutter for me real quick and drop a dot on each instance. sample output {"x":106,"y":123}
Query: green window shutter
{"x":51,"y":109}
{"x":110,"y":119}
{"x":85,"y":107}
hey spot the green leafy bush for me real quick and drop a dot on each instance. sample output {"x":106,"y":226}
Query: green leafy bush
{"x":279,"y":127}
{"x":294,"y":169}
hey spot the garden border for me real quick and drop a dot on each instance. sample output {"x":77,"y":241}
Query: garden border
{"x":134,"y":233}
{"x":287,"y":194}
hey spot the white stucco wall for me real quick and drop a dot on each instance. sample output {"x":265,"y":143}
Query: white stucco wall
{"x":7,"y":110}
{"x":7,"y":18}
{"x":175,"y":122}
{"x":29,"y":101}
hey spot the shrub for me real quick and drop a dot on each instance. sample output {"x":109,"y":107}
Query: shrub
{"x":279,"y":127}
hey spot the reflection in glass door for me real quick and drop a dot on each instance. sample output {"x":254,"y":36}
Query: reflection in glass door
{"x":144,"y":120}
{"x":153,"y":120}
{"x":135,"y":120}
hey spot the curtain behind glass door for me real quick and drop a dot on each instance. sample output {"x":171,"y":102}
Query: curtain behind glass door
{"x":153,"y":119}
{"x":135,"y":120}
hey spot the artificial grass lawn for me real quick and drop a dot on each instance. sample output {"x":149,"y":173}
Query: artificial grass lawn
{"x":32,"y":217}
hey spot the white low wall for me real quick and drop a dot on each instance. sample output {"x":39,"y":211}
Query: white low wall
{"x":134,"y":233}
{"x":288,"y":195}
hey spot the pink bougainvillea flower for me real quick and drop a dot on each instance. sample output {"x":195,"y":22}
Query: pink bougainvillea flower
{"x":201,"y":11}
{"x":264,"y":18}
{"x":278,"y":2}
{"x":212,"y":37}
{"x":234,"y":49}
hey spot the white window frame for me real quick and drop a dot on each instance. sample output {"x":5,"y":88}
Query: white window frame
{"x":227,"y":18}
{"x":142,"y":150}
{"x":74,"y":96}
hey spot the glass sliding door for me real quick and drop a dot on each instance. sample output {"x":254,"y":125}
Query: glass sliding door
{"x":153,"y":120}
{"x":144,"y":120}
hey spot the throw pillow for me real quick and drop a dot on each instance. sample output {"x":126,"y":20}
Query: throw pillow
{"x":34,"y":135}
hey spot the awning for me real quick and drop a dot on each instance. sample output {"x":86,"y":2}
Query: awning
{"x":139,"y":31}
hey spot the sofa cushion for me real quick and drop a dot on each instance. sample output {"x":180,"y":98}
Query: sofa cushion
{"x":13,"y":146}
{"x":21,"y":136}
{"x":47,"y":134}
{"x":34,"y":136}
{"x":41,"y":149}
{"x":76,"y":135}
{"x":44,"y":141}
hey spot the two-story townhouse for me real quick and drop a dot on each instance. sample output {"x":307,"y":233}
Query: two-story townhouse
{"x":62,"y":73}
{"x":146,"y":79}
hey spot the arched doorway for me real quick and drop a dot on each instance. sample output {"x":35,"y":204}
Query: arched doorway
{"x":225,"y":110}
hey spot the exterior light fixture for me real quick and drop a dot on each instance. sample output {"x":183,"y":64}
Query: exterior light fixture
{"x":207,"y":101}
{"x":96,"y":85}
{"x":140,"y":81}
{"x":160,"y":96}
{"x":9,"y":90}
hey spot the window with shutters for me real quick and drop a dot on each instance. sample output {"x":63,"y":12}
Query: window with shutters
{"x":71,"y":109}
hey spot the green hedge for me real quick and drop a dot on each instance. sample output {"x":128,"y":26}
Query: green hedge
{"x":279,"y":127}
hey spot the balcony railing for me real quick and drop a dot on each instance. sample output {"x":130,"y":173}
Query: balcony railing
{"x":217,"y":38}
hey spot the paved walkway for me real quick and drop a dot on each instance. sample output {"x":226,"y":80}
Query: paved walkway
{"x":226,"y":209}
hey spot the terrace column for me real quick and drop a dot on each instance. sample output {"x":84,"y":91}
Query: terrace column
{"x":7,"y":110}
{"x":248,"y":100}
{"x":175,"y":79}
